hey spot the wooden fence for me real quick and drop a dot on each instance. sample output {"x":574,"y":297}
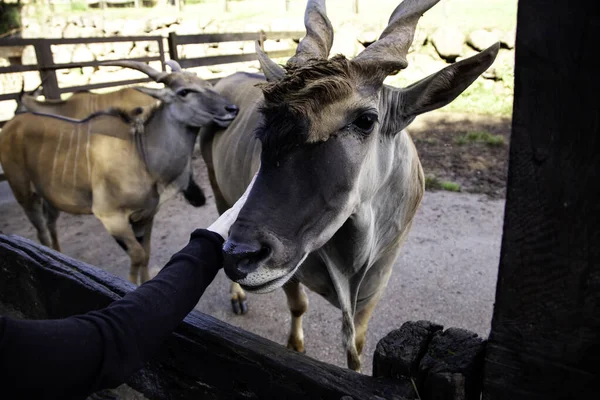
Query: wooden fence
{"x":47,"y":66}
{"x":208,"y":359}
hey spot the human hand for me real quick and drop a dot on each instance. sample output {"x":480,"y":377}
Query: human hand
{"x":224,"y":222}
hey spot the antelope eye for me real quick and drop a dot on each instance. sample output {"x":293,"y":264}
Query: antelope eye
{"x":365,"y":122}
{"x":183,"y":92}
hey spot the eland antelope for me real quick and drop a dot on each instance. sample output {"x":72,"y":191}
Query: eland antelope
{"x":339,"y":179}
{"x":118,"y":165}
{"x":82,"y":104}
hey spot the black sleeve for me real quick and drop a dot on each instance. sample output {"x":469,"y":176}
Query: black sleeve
{"x":73,"y":357}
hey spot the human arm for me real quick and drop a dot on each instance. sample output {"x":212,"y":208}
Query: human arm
{"x":76,"y":356}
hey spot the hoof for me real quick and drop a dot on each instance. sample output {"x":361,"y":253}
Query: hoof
{"x":239,"y":306}
{"x":194,"y":195}
{"x":297,"y":347}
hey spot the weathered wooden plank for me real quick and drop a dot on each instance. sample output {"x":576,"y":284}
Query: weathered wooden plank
{"x":205,"y":358}
{"x":545,"y":341}
{"x":399,"y":353}
{"x":18,"y":68}
{"x":43,"y":54}
{"x":215,"y":37}
{"x":440,"y":365}
{"x":451,"y":369}
{"x":86,"y":40}
{"x":234,"y":37}
{"x":8,"y":96}
{"x":229,"y":59}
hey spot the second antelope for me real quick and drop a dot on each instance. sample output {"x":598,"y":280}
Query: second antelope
{"x":81,"y":104}
{"x":118,"y":165}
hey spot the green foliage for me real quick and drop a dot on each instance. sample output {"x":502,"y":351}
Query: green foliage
{"x":450,"y":186}
{"x":79,"y":6}
{"x":480,"y":137}
{"x":10,"y":17}
{"x":433,"y":183}
{"x":479,"y":99}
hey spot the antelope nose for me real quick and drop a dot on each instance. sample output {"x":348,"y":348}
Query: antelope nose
{"x":232,"y":108}
{"x":239,"y":259}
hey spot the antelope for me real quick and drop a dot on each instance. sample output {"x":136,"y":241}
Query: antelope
{"x":338,"y":177}
{"x":117,"y":165}
{"x":82,"y":104}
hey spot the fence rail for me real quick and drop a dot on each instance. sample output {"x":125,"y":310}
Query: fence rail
{"x":47,"y":66}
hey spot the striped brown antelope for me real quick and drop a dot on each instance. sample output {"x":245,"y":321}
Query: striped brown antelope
{"x":339,"y":179}
{"x":118,"y":165}
{"x":82,"y":104}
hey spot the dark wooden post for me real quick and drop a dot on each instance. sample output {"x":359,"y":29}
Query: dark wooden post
{"x":161,"y":51}
{"x":545,"y":339}
{"x":45,"y":60}
{"x":173,"y":54}
{"x":430,"y":363}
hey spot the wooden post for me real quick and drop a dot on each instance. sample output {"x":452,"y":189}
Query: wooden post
{"x":225,"y":5}
{"x":355,"y":6}
{"x":45,"y":60}
{"x":545,"y":338}
{"x":172,"y":40}
{"x":432,"y":363}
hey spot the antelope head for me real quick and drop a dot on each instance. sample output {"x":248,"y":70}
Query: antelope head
{"x":187,"y":98}
{"x":331,"y":141}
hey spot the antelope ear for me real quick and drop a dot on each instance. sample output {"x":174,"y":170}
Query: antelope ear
{"x":319,"y":34}
{"x":163,"y":94}
{"x":273,"y":72}
{"x":439,"y":89}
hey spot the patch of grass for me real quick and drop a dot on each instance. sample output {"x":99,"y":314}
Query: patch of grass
{"x":479,"y":98}
{"x":79,"y":6}
{"x":480,"y":137}
{"x":450,"y":186}
{"x":434,"y":183}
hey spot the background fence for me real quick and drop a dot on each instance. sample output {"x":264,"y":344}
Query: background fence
{"x":47,"y":65}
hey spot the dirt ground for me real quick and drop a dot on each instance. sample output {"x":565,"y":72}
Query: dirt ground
{"x":477,"y":167}
{"x":446,"y":272}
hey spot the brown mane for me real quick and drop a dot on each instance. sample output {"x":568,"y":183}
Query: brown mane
{"x":290,"y":103}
